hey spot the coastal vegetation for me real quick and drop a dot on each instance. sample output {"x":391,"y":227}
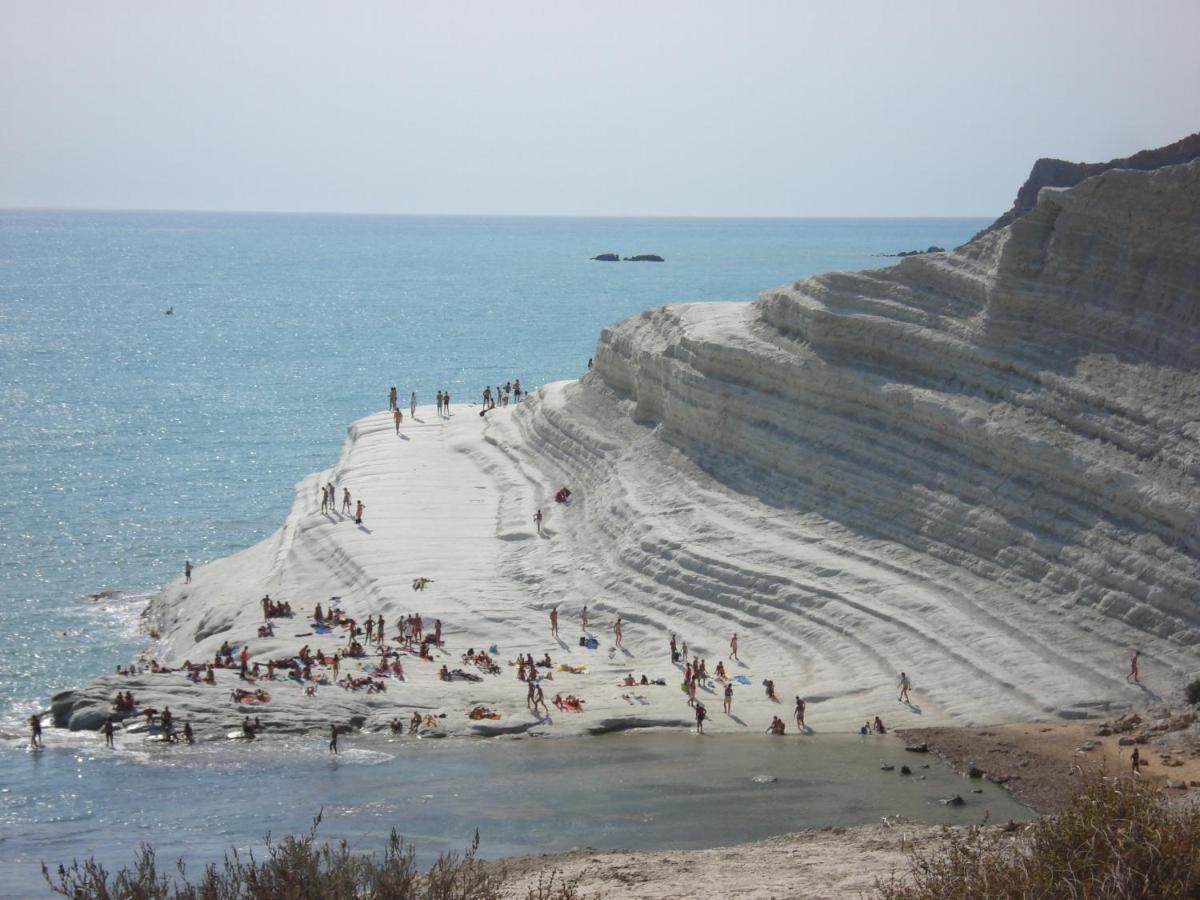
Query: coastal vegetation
{"x":1117,"y":840}
{"x":302,"y":868}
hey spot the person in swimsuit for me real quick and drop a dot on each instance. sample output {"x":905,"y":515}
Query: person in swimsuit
{"x":617,"y":631}
{"x":346,"y":500}
{"x":904,"y":684}
{"x":358,"y":513}
{"x":554,"y":621}
{"x":733,"y":647}
{"x":187,"y":571}
{"x":728,"y":698}
{"x":35,"y":732}
{"x":583,"y":617}
{"x":398,"y":417}
{"x":412,"y":404}
{"x":108,"y":732}
{"x":800,"y":704}
{"x":1134,"y":668}
{"x":537,"y":518}
{"x":333,"y":736}
{"x":701,"y":715}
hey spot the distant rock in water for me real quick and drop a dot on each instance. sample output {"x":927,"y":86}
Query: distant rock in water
{"x":932,"y":249}
{"x":607,"y":257}
{"x":645,"y":257}
{"x":1061,"y":174}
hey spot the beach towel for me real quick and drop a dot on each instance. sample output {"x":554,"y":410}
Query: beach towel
{"x":321,"y":629}
{"x":742,"y":679}
{"x":493,"y":649}
{"x":592,"y":643}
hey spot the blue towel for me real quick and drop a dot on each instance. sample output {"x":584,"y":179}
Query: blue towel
{"x":741,"y":679}
{"x":592,"y":643}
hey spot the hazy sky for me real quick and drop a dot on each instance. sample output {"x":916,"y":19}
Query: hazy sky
{"x":599,"y":108}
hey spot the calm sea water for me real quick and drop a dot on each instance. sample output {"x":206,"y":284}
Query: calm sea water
{"x":130,"y":440}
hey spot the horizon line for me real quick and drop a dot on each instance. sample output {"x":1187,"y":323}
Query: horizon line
{"x":428,"y":215}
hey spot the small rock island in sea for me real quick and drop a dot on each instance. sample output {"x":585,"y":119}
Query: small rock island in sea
{"x":616,"y":257}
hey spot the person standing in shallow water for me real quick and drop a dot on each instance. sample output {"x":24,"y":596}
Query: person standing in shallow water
{"x":333,"y":733}
{"x":35,"y":732}
{"x":800,"y":704}
{"x":108,"y":732}
{"x":187,"y":571}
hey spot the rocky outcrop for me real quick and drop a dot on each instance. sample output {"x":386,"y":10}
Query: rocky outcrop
{"x":644,"y":257}
{"x":607,"y":257}
{"x":1060,"y":174}
{"x":985,"y":463}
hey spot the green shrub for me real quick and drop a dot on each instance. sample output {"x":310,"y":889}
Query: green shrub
{"x":1117,"y":839}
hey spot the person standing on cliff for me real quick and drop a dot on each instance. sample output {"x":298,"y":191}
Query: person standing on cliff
{"x":1134,"y":668}
{"x":358,"y":511}
{"x":904,"y":684}
{"x":554,"y":621}
{"x":446,"y":403}
{"x":187,"y":571}
{"x":537,"y":519}
{"x":346,"y":500}
{"x":583,"y":618}
{"x":412,"y":404}
{"x":393,"y":399}
{"x":439,"y":404}
{"x":398,"y":417}
{"x":733,"y":647}
{"x":617,"y":631}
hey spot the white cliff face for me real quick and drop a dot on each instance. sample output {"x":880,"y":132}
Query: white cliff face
{"x":978,"y":466}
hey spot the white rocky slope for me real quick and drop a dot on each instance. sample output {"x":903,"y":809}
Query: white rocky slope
{"x":978,"y":467}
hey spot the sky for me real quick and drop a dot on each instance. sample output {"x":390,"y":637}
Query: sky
{"x":570,"y":108}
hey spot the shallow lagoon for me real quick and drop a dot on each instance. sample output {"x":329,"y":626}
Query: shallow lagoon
{"x":644,"y":790}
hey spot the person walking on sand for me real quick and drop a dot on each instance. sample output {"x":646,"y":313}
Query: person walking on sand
{"x":531,"y":695}
{"x":800,"y":704}
{"x":554,"y":621}
{"x":358,"y":511}
{"x":346,"y":500}
{"x":537,"y":519}
{"x":187,"y":571}
{"x":733,"y":647}
{"x":617,"y":631}
{"x":393,"y":402}
{"x":35,"y":732}
{"x":539,"y":699}
{"x":333,"y":733}
{"x":728,"y":698}
{"x":397,"y":417}
{"x":1134,"y":668}
{"x":701,"y":715}
{"x":446,"y":403}
{"x":904,"y":684}
{"x":583,"y":618}
{"x":412,"y":404}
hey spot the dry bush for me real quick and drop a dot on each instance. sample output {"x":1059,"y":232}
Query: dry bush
{"x":297,"y":868}
{"x":1117,"y":840}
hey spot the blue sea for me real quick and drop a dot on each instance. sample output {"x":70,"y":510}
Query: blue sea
{"x":131,"y":440}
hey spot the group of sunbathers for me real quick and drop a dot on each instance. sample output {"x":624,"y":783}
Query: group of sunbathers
{"x":777,"y":727}
{"x":273,"y":609}
{"x":562,"y":495}
{"x":124,"y":703}
{"x":527,"y":668}
{"x":481,"y":660}
{"x":458,"y":674}
{"x":569,"y":703}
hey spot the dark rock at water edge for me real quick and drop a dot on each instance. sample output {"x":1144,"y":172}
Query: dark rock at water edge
{"x":645,"y":257}
{"x":607,"y":257}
